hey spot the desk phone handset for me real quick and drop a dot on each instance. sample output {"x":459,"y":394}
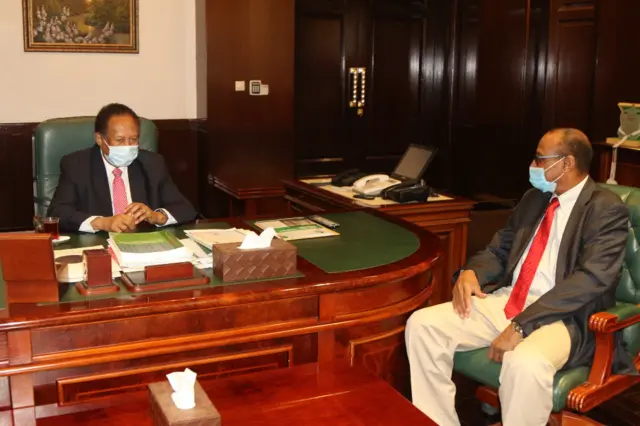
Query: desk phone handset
{"x":368,"y":180}
{"x":373,"y":184}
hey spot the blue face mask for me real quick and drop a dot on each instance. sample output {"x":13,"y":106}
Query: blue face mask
{"x":539,"y":180}
{"x":122,"y":156}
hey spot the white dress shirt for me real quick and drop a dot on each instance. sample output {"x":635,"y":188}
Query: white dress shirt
{"x":86,"y":225}
{"x":545,"y":277}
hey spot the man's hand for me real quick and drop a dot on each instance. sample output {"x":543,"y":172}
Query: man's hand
{"x":118,"y":223}
{"x":141,"y":212}
{"x":505,"y":342}
{"x":466,"y":286}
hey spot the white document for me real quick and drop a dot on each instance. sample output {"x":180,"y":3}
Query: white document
{"x":201,"y":260}
{"x":210,"y":237}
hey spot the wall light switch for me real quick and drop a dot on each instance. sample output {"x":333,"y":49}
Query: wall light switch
{"x":240,"y":86}
{"x":254,"y":87}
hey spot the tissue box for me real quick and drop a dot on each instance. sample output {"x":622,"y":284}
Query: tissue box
{"x":165,"y":413}
{"x":234,"y":264}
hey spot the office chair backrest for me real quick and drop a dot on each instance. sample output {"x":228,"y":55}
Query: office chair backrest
{"x":629,"y":285}
{"x":55,"y":138}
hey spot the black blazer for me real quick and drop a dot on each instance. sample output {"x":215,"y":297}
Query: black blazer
{"x":587,"y":273}
{"x":83,"y":189}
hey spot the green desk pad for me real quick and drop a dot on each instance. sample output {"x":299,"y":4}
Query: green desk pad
{"x":365,"y":241}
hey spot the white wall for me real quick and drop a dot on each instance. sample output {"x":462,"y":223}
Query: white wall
{"x":160,"y":82}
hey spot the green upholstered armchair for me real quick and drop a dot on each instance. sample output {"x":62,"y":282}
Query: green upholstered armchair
{"x":583,"y":388}
{"x":55,"y":138}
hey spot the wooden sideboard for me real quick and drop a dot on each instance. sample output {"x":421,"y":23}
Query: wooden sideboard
{"x":449,"y":220}
{"x":627,"y":169}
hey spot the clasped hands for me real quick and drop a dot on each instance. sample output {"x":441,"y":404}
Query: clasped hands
{"x":134,"y":214}
{"x":467,"y":286}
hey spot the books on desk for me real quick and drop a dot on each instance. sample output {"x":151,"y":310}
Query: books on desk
{"x":296,"y":228}
{"x":148,"y":248}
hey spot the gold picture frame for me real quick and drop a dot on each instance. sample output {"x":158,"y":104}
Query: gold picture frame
{"x":99,"y":26}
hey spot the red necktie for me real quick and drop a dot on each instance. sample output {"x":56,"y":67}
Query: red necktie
{"x":119,"y":193}
{"x":528,"y":270}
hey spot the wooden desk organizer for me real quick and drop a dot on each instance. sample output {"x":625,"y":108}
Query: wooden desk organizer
{"x":234,"y":264}
{"x":28,"y":268}
{"x":98,"y":278}
{"x":161,"y":277}
{"x":165,"y":413}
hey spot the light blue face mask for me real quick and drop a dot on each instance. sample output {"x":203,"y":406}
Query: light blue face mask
{"x":539,"y":180}
{"x":121,"y":156}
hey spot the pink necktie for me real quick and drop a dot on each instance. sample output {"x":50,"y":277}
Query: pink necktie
{"x":530,"y":265}
{"x":119,"y":193}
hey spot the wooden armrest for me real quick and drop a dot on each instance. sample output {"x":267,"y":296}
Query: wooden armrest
{"x":604,"y":324}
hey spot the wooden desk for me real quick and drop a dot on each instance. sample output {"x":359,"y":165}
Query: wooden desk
{"x":310,"y":395}
{"x":66,"y":357}
{"x":449,"y":220}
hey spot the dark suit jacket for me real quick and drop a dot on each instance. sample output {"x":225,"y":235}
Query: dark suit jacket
{"x":83,"y":189}
{"x":587,"y":273}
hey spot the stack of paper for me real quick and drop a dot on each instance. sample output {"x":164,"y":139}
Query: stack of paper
{"x":202,"y":257}
{"x":209,"y":237}
{"x":148,"y":248}
{"x":296,"y":228}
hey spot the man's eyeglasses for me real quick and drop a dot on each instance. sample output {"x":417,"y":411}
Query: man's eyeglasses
{"x":539,"y":159}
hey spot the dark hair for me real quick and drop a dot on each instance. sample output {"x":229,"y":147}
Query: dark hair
{"x":108,"y":111}
{"x":576,"y":143}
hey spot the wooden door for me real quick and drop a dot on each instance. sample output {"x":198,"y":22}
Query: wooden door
{"x":326,"y":41}
{"x":406,"y":90}
{"x":399,"y":49}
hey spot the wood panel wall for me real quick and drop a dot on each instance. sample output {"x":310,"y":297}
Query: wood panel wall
{"x":509,"y":70}
{"x":250,"y":137}
{"x":180,"y":142}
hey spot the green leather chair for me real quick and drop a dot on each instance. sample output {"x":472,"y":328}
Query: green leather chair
{"x":583,"y":388}
{"x":55,"y":138}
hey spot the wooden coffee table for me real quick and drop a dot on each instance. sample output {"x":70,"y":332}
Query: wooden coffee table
{"x":313,"y":394}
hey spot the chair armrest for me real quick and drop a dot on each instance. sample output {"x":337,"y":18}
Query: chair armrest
{"x":620,"y":316}
{"x":604,"y":324}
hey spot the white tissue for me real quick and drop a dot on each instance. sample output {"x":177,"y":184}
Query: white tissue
{"x":253,"y":241}
{"x":183,"y":384}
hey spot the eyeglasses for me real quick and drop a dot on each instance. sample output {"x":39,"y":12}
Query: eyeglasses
{"x":539,"y":159}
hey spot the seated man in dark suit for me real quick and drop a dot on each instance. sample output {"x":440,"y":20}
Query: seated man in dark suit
{"x":114,"y":186}
{"x":529,"y":295}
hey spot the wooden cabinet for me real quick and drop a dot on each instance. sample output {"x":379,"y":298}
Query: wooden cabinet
{"x":368,"y":82}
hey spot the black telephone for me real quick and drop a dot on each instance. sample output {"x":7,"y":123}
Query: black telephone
{"x":411,"y":190}
{"x":347,"y":178}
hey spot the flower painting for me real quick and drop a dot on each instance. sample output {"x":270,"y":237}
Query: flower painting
{"x":81,"y":26}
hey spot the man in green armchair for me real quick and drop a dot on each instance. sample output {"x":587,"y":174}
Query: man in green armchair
{"x":529,"y":295}
{"x":115,"y":185}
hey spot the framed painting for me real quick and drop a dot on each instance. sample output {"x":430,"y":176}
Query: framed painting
{"x":80,"y":26}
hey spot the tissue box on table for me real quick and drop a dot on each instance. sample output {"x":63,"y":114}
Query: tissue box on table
{"x":165,"y":413}
{"x":231,"y":263}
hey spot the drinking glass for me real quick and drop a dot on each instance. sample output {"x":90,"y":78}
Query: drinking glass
{"x":47,"y":225}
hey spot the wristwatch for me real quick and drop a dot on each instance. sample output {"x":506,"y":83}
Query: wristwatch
{"x":518,"y":328}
